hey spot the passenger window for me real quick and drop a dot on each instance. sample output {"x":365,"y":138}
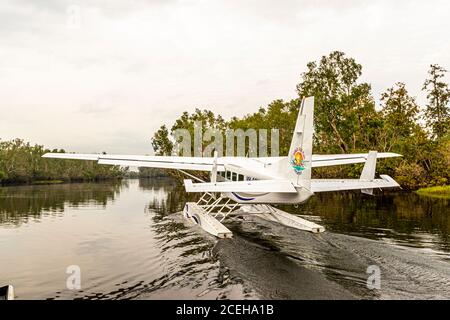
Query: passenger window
{"x":229,"y":175}
{"x":234,"y":176}
{"x":240,"y":177}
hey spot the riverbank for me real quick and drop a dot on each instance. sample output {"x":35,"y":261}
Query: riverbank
{"x":440,"y":192}
{"x":22,"y":163}
{"x":54,"y":182}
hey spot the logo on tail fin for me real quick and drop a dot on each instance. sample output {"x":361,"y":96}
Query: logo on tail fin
{"x":298,"y":160}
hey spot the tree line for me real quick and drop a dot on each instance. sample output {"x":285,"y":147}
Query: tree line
{"x":348,"y":121}
{"x":21,"y":162}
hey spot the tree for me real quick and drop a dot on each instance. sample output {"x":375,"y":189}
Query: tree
{"x":161,"y":143}
{"x":400,"y":132}
{"x":400,"y":111}
{"x":343,"y":106}
{"x":437,"y":113}
{"x":279,"y":115}
{"x":200,"y":120}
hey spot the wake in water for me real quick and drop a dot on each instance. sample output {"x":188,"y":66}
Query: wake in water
{"x":284,"y":263}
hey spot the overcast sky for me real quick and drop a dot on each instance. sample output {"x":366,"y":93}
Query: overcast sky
{"x":92,"y":76}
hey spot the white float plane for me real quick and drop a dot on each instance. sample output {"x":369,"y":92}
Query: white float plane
{"x":252,"y":185}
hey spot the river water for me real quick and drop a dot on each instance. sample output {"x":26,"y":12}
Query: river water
{"x":130,"y":242}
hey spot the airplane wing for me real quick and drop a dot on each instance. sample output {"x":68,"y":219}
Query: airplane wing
{"x":206,"y":164}
{"x":256,"y":186}
{"x":341,"y":159}
{"x":164,"y":162}
{"x":328,"y":185}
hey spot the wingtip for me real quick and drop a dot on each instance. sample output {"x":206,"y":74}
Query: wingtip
{"x":390,"y":180}
{"x":394,"y":155}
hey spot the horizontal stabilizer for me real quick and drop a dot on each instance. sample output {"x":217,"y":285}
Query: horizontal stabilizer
{"x":256,"y":186}
{"x":328,"y":185}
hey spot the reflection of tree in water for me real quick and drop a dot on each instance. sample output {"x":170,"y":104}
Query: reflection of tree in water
{"x":174,"y":195}
{"x":187,"y":255}
{"x":18,"y":204}
{"x":404,"y":215}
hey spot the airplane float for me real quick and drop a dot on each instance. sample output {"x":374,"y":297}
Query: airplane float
{"x":253,"y":185}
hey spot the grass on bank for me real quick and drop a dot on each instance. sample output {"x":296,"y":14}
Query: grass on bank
{"x":441,"y":192}
{"x":47,"y":182}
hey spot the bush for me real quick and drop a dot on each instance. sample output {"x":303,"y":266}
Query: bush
{"x":411,"y":175}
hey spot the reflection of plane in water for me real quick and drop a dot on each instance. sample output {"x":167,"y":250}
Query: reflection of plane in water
{"x":251,"y":185}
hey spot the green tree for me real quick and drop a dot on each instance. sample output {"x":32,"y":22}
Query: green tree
{"x":437,"y":113}
{"x":402,"y":134}
{"x":161,"y":143}
{"x":279,"y":115}
{"x":344,"y":108}
{"x":400,"y":112}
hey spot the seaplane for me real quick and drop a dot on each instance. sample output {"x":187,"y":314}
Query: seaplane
{"x":255,"y":186}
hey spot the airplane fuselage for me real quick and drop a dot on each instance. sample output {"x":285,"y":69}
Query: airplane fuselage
{"x":300,"y":197}
{"x":235,"y":173}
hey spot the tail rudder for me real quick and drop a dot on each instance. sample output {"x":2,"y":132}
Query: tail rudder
{"x":297,"y":166}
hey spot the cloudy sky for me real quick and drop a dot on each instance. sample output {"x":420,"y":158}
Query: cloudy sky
{"x":103,"y":75}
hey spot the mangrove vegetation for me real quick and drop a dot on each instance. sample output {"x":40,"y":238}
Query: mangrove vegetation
{"x":22,"y":162}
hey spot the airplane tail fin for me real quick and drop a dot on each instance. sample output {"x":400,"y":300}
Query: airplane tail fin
{"x":297,"y":166}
